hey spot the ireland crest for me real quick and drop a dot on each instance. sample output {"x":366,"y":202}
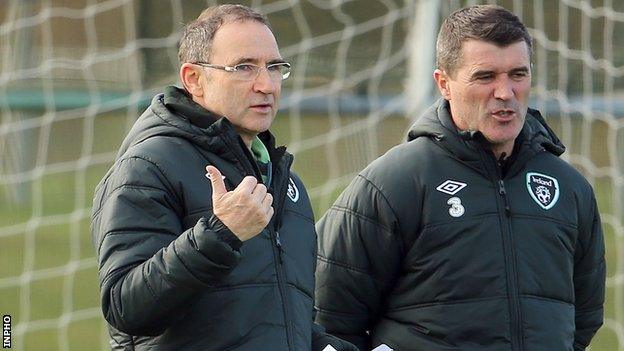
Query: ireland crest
{"x":543,"y":189}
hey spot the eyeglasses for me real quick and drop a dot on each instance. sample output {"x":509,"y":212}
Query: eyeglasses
{"x":247,"y":71}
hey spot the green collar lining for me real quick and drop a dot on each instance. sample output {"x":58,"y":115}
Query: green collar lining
{"x":259,"y":150}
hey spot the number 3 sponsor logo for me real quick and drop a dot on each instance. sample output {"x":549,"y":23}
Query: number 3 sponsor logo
{"x":456,"y":209}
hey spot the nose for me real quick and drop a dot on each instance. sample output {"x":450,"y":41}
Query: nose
{"x":504,"y":89}
{"x":264,"y":84}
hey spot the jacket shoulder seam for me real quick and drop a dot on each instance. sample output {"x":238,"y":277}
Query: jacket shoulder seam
{"x":342,"y":264}
{"x":388,"y":203}
{"x":139,"y":186}
{"x":336,"y":208}
{"x":122,"y":186}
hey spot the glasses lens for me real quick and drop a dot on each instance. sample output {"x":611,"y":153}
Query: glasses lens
{"x":245,"y":71}
{"x":279,"y":71}
{"x":285,"y":70}
{"x":276,"y":71}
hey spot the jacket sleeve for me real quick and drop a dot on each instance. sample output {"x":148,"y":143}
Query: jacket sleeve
{"x":320,"y":340}
{"x":358,"y":260}
{"x":589,"y":278}
{"x":149,"y":268}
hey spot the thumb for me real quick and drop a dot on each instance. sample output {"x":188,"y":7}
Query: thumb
{"x":218,"y":186}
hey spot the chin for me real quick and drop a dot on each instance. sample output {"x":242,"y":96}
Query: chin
{"x":264,"y":126}
{"x":505,"y":133}
{"x":500,"y":137}
{"x":260,"y":129}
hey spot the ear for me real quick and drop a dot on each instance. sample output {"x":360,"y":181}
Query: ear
{"x":190,"y":76}
{"x":442,"y":82}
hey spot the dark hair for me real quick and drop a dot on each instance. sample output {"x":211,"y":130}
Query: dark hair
{"x":490,"y":23}
{"x":197,"y":36}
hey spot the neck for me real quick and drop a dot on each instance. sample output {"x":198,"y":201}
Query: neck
{"x":498,"y":149}
{"x":247,"y":138}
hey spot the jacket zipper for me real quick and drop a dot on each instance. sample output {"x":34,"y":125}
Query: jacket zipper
{"x":511,"y":271}
{"x":510,"y":262}
{"x":503,"y":194}
{"x":278,"y":251}
{"x":274,"y":233}
{"x":274,"y":225}
{"x":279,"y":268}
{"x":278,"y":244}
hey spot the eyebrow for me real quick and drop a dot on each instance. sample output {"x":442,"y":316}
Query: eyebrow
{"x":254,"y":60}
{"x":522,"y":69}
{"x":482,"y":73}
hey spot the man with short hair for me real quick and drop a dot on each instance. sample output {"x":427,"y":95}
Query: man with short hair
{"x":473,"y":235}
{"x":225,"y":263}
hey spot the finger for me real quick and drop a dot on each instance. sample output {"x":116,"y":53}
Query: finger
{"x":267,"y":201}
{"x":259,"y":192}
{"x":270,"y":212}
{"x":247,"y":185}
{"x":218,"y":186}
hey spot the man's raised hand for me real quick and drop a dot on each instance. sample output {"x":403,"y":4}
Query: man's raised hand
{"x":245,"y":210}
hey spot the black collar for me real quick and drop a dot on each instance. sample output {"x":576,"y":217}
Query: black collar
{"x":180,"y":102}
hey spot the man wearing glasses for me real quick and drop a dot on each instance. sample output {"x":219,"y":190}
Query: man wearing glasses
{"x":204,"y":236}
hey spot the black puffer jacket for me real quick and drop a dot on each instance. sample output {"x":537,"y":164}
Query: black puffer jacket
{"x":172,"y":277}
{"x":433,"y":248}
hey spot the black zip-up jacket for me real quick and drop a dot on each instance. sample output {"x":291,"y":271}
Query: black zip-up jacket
{"x":436,"y":247}
{"x":172,"y":276}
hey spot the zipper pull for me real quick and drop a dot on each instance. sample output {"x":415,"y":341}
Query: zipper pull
{"x":501,"y":187}
{"x":278,"y":243}
{"x":503,"y":193}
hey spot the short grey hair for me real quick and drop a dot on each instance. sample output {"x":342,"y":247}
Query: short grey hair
{"x":489,"y":23}
{"x":197,"y":36}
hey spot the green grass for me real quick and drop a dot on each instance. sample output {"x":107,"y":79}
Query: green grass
{"x":50,"y":244}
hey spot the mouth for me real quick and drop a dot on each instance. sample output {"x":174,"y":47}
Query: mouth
{"x":261,"y":108}
{"x":503,"y":115}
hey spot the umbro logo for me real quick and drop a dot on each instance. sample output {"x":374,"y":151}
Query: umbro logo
{"x":451,"y":187}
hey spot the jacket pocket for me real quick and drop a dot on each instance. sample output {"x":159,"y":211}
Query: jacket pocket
{"x":409,"y":337}
{"x":423,"y":332}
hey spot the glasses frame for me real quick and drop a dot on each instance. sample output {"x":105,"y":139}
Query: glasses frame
{"x":235,"y":68}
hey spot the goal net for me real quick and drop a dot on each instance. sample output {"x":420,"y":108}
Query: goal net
{"x":75,"y":74}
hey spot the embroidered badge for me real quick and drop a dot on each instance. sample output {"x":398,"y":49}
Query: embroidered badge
{"x":293,"y":192}
{"x":451,"y":187}
{"x":456,"y":209}
{"x":543,"y":189}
